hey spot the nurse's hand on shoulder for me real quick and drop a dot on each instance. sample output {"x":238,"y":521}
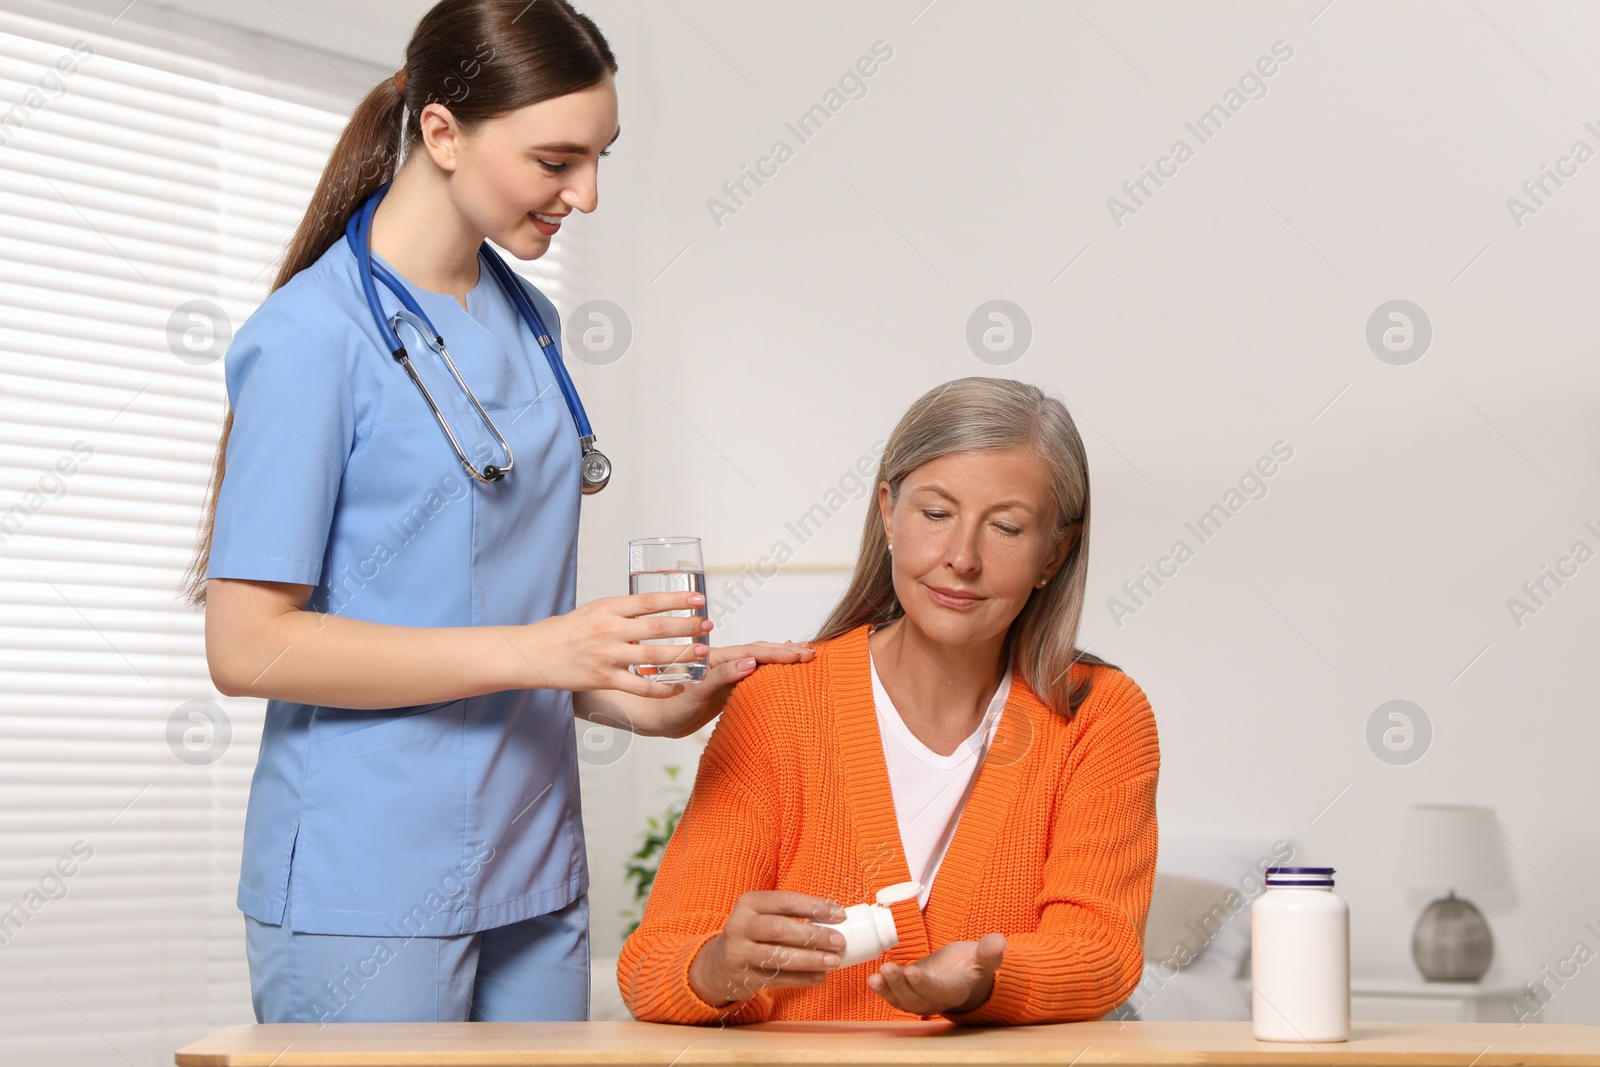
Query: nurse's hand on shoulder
{"x":660,"y":710}
{"x":591,"y":648}
{"x":958,"y":977}
{"x":683,"y":712}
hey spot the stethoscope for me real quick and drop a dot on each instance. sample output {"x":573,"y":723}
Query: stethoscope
{"x":594,"y":467}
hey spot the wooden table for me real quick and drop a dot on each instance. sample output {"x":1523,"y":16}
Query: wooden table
{"x":908,"y":1044}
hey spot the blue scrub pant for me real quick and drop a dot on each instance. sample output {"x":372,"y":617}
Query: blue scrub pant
{"x":536,"y":970}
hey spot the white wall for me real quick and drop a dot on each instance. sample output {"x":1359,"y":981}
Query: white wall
{"x":371,"y":30}
{"x":1223,"y":316}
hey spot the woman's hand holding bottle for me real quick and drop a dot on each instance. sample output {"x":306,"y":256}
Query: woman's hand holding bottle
{"x":767,"y":942}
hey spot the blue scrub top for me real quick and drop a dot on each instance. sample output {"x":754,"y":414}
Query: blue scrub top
{"x":434,"y":819}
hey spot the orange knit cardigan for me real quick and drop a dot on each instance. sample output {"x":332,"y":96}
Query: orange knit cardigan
{"x":1056,"y":847}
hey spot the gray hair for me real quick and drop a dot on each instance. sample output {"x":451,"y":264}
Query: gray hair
{"x":969,"y":415}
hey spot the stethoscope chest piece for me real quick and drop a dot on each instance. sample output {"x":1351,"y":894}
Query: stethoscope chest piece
{"x":595,"y":467}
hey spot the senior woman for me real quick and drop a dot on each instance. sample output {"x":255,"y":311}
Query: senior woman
{"x":948,"y":731}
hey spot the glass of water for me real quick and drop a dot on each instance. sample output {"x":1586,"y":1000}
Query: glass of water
{"x":670,"y":565}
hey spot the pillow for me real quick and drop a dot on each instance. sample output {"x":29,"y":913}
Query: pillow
{"x":1233,"y":860}
{"x":1185,"y":915}
{"x":1190,"y":995}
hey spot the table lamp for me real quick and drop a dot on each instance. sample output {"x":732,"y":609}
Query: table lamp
{"x":1452,"y":846}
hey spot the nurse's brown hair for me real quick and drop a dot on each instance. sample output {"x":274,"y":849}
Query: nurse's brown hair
{"x":477,"y":58}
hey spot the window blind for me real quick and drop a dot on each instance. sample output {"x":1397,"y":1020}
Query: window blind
{"x":153,"y":167}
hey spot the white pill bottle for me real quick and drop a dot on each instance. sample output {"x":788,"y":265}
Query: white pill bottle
{"x":1300,"y":958}
{"x":869,"y":929}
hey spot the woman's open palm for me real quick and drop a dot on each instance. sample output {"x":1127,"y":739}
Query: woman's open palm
{"x":956,"y":977}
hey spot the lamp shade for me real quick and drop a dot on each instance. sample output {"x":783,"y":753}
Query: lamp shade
{"x":1452,"y":846}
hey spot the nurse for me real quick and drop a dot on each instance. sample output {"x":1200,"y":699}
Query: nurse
{"x":413,"y":844}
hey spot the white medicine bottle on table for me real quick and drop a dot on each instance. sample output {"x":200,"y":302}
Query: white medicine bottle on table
{"x":1300,"y":958}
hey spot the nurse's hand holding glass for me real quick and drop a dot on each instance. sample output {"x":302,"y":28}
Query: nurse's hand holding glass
{"x":261,"y":641}
{"x":684,"y":684}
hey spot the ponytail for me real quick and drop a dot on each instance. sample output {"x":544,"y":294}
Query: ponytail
{"x":520,"y":54}
{"x":364,"y":158}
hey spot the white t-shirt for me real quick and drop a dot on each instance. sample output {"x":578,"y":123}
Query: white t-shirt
{"x":930,"y":790}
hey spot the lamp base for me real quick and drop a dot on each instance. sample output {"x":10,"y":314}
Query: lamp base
{"x":1451,"y":942}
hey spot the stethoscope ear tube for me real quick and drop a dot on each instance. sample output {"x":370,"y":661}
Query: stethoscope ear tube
{"x":490,"y":473}
{"x":358,"y":231}
{"x":594,"y":467}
